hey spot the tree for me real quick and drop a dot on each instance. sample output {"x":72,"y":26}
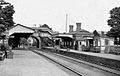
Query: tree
{"x":114,"y":23}
{"x":96,"y":33}
{"x":6,"y":16}
{"x":114,"y":20}
{"x":23,"y":42}
{"x":45,"y":25}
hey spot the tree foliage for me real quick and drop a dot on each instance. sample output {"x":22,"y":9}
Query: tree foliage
{"x":6,"y":16}
{"x":23,"y":41}
{"x":8,"y":12}
{"x":114,"y":32}
{"x":96,"y":33}
{"x":114,"y":20}
{"x":114,"y":23}
{"x":46,"y":26}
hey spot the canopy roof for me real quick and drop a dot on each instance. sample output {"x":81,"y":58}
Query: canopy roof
{"x":64,"y":35}
{"x":20,"y":29}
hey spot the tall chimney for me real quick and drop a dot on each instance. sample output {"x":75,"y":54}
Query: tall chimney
{"x":70,"y":28}
{"x":78,"y":26}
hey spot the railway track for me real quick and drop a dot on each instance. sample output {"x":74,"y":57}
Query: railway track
{"x":73,"y":61}
{"x":85,"y":58}
{"x":89,"y":64}
{"x":61,"y":64}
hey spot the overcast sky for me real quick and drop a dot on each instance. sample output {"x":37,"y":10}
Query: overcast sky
{"x":93,"y":14}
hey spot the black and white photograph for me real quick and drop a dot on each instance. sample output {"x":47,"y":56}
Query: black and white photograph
{"x":59,"y":37}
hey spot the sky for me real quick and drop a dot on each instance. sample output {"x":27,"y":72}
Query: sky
{"x":93,"y":14}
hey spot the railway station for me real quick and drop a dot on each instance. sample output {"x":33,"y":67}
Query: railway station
{"x":70,"y":44}
{"x":37,"y":40}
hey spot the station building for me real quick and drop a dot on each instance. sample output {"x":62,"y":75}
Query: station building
{"x":36,"y":36}
{"x":103,"y":42}
{"x":64,"y":40}
{"x":42,"y":36}
{"x":75,"y":39}
{"x":83,"y":40}
{"x":81,"y":36}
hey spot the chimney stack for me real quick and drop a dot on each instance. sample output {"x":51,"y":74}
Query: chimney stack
{"x":78,"y":26}
{"x":70,"y":28}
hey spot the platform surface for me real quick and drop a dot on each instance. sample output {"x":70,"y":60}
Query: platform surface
{"x":27,"y":63}
{"x":104,"y":55}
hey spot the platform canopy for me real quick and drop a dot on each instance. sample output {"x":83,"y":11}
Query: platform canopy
{"x":20,"y":29}
{"x":64,"y":35}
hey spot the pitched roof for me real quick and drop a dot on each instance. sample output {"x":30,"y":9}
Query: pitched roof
{"x":44,"y":29}
{"x":22,"y":26}
{"x":82,"y":32}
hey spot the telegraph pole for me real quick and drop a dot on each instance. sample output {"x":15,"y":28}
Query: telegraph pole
{"x":66,"y":23}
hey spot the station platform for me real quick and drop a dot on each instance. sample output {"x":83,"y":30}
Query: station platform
{"x":103,"y":55}
{"x":108,"y":56}
{"x":27,"y":63}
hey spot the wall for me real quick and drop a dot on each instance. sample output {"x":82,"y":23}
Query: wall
{"x":104,"y":43}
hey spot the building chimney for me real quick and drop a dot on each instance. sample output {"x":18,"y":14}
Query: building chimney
{"x":70,"y":28}
{"x":78,"y":26}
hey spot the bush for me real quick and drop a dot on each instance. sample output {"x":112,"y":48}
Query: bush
{"x":3,"y":48}
{"x":115,"y":50}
